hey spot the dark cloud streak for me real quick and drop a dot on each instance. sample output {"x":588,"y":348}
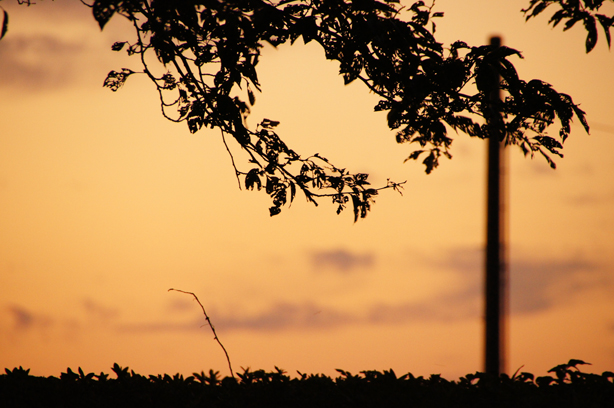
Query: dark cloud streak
{"x":341,"y":260}
{"x":309,"y":316}
{"x":38,"y":62}
{"x":98,"y":311}
{"x":536,"y":284}
{"x":25,"y":320}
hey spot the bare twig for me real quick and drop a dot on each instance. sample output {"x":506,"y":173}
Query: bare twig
{"x":210,"y":325}
{"x":232,"y":159}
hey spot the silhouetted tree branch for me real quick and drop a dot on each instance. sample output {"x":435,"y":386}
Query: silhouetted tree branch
{"x":202,"y":55}
{"x":209,"y":51}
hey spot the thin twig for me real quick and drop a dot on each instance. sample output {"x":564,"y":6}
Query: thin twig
{"x":232,"y":159}
{"x":210,"y":325}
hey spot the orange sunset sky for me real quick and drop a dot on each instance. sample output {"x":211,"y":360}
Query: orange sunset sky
{"x":105,"y":205}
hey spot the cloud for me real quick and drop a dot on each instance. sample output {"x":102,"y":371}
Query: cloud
{"x":98,"y":311}
{"x":286,"y":316}
{"x":441,"y":309}
{"x":181,"y":305}
{"x":591,"y":199}
{"x":37,"y":62}
{"x":535,"y":284}
{"x":159,"y":327}
{"x":290,"y":316}
{"x":279,"y":316}
{"x":341,"y":260}
{"x":310,"y":316}
{"x":541,"y":284}
{"x":24,"y":320}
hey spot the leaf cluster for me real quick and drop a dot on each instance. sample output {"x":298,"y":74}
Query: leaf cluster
{"x":209,"y":51}
{"x":427,"y":88}
{"x":574,"y":11}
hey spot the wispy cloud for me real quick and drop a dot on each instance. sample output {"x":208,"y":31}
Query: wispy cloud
{"x":444,"y":309}
{"x":279,"y":316}
{"x":542,"y":283}
{"x":24,"y":320}
{"x":180,"y":305}
{"x":98,"y":311}
{"x":535,"y":283}
{"x":290,"y":316}
{"x":37,"y":62}
{"x":160,"y":326}
{"x":311,"y":316}
{"x":341,"y":260}
{"x":603,"y":197}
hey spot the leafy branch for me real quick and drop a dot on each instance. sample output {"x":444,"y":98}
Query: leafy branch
{"x":209,"y":51}
{"x":572,"y":12}
{"x":427,"y":88}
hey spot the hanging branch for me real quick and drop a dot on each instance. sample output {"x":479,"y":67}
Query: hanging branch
{"x":210,"y":50}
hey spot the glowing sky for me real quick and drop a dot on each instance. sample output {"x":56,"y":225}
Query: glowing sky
{"x":105,"y":205}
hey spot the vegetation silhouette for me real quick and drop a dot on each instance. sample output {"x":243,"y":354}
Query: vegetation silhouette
{"x":567,"y":387}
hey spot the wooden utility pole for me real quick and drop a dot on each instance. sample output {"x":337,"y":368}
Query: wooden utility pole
{"x":495,"y":282}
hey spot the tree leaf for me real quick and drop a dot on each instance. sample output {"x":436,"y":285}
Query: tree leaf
{"x":591,"y":28}
{"x":549,"y":143}
{"x":582,"y":117}
{"x":268,"y":124}
{"x":252,"y":178}
{"x":535,"y":8}
{"x":292,"y":191}
{"x":5,"y":24}
{"x":274,"y":211}
{"x":103,"y":10}
{"x":118,"y":45}
{"x":606,"y":23}
{"x":558,"y":16}
{"x":116,"y":79}
{"x":356,"y":204}
{"x":571,"y":22}
{"x":414,"y":155}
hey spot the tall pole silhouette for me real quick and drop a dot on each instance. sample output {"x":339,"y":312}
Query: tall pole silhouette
{"x":495,"y":282}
